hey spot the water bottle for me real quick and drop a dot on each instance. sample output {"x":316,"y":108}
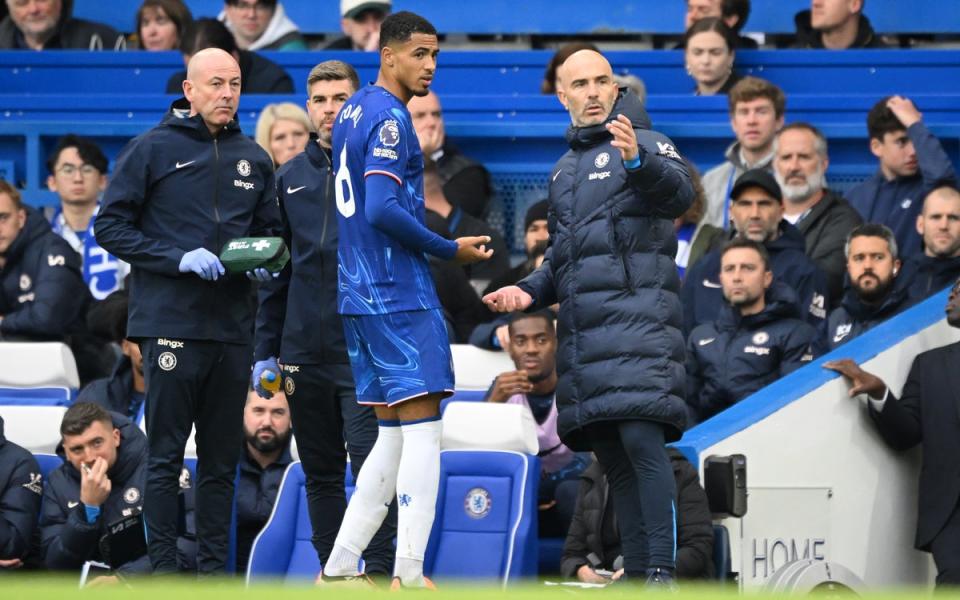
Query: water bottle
{"x":270,"y":382}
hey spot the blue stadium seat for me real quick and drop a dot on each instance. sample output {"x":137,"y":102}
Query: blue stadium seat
{"x":47,"y":462}
{"x":486,"y":521}
{"x":44,"y":396}
{"x":721,"y":552}
{"x":283,"y":550}
{"x":549,"y":555}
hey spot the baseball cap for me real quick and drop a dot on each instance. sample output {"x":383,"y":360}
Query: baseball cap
{"x":760,"y":178}
{"x":351,"y":8}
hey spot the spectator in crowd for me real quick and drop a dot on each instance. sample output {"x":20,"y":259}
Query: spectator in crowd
{"x":283,"y":130}
{"x":634,"y":84}
{"x":259,"y":75}
{"x":758,"y":338}
{"x":21,"y":486}
{"x":822,"y":216}
{"x":298,"y":327}
{"x":125,"y":389}
{"x":549,"y":85}
{"x":533,"y":348}
{"x":460,"y":223}
{"x":875,"y":292}
{"x":925,"y":414}
{"x":617,"y":284}
{"x":462,"y":308}
{"x":261,"y":25}
{"x":49,"y":25}
{"x":592,"y":544}
{"x":757,"y":211}
{"x":78,"y":175}
{"x":734,"y":14}
{"x":161,"y":24}
{"x":757,"y":109}
{"x":100,"y":484}
{"x":466,"y":183}
{"x":534,"y":231}
{"x":264,"y":460}
{"x":835,"y":25}
{"x":912,"y":162}
{"x":360,"y":21}
{"x":695,"y":237}
{"x":710,"y":53}
{"x":187,"y":314}
{"x":42,"y":294}
{"x":939,"y":226}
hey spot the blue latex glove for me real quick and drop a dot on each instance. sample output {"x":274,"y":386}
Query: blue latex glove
{"x":262,"y":275}
{"x":259,"y":368}
{"x":202,"y":262}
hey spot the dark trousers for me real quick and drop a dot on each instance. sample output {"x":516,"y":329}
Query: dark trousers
{"x":193,"y":382}
{"x":946,"y":551}
{"x":644,"y":492}
{"x":323,"y":405}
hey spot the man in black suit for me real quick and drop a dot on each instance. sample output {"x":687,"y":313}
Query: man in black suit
{"x":927,"y":413}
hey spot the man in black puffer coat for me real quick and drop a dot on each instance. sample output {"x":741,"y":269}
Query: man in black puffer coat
{"x":613,"y":198}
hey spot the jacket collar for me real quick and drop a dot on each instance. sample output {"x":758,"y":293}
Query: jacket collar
{"x":626,"y":104}
{"x":179,"y":116}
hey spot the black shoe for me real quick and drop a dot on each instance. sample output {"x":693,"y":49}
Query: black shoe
{"x":661,"y":579}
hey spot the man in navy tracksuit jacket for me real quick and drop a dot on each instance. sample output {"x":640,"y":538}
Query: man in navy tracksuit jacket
{"x":298,"y":324}
{"x":20,"y":489}
{"x":179,"y":193}
{"x":757,"y":209}
{"x":912,"y":163}
{"x":758,"y":338}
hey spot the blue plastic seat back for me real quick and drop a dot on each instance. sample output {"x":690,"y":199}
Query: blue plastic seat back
{"x":486,"y":521}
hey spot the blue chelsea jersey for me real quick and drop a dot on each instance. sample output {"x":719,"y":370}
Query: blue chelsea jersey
{"x":373,"y":136}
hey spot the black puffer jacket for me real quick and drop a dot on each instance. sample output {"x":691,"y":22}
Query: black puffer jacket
{"x":610,"y":265}
{"x":20,"y":490}
{"x":808,"y":37}
{"x":735,"y":356}
{"x":594,"y":527}
{"x":855,"y":317}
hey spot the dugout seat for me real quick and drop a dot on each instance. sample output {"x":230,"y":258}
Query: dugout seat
{"x":47,"y":463}
{"x":283,"y":550}
{"x":38,"y":364}
{"x":721,"y":552}
{"x":486,"y":521}
{"x":35,"y":428}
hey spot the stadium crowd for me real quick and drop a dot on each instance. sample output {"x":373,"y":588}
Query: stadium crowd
{"x":776,"y":269}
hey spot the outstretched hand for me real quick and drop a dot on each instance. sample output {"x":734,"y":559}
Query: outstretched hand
{"x":471,"y":249}
{"x":624,"y":138}
{"x":861,"y":381}
{"x":508,"y":299}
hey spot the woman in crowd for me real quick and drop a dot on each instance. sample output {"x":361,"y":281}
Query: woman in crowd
{"x":160,"y":23}
{"x":694,"y":237}
{"x":283,"y":130}
{"x":709,"y":49}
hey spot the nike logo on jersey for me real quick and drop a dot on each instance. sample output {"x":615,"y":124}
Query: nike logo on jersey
{"x":557,"y":174}
{"x":181,"y":165}
{"x":72,"y":504}
{"x":710,"y":284}
{"x":291,"y":190}
{"x":706,"y":341}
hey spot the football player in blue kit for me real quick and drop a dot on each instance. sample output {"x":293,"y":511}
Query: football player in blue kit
{"x":395,"y":330}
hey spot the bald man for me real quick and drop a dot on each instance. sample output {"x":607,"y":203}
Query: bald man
{"x":613,"y":198}
{"x":180,"y":191}
{"x":938,"y":266}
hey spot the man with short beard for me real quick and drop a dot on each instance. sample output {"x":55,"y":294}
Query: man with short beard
{"x":758,"y":338}
{"x":874,"y":294}
{"x":939,"y":226}
{"x":823,"y":217}
{"x":265,"y":457}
